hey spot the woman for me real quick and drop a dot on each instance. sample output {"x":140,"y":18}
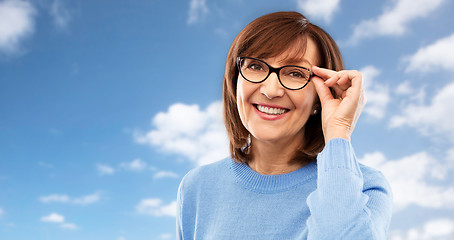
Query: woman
{"x":285,"y":96}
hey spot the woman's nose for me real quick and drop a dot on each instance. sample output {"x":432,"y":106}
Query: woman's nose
{"x":271,"y":87}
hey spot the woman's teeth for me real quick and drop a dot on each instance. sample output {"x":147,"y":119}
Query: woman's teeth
{"x":272,"y":111}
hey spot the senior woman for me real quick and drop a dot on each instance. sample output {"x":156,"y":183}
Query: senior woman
{"x":290,"y":109}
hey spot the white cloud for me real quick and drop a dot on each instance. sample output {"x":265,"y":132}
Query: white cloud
{"x":450,"y":155}
{"x":1,"y":212}
{"x":439,"y":55}
{"x":62,"y":198}
{"x":53,"y":217}
{"x":184,"y":129}
{"x":60,"y":14}
{"x":404,"y":88}
{"x":155,"y":207}
{"x":377,"y":93}
{"x":409,"y":94}
{"x":165,"y":236}
{"x":438,"y":229}
{"x":409,"y":177}
{"x":71,"y":226}
{"x":197,"y":10}
{"x":105,"y":169}
{"x":88,"y":199}
{"x":57,"y":218}
{"x":395,"y":19}
{"x":121,"y":238}
{"x":431,"y":119}
{"x":165,"y":174}
{"x":54,"y":198}
{"x":16,"y":23}
{"x":319,"y":9}
{"x":135,"y":165}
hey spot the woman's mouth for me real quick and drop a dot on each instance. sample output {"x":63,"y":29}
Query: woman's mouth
{"x":271,"y":110}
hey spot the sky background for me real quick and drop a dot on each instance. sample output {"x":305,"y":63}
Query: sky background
{"x":105,"y":105}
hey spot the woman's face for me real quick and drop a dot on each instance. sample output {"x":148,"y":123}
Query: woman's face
{"x":288,"y":110}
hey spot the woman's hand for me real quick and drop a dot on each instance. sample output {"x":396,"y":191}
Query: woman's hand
{"x":339,"y":115}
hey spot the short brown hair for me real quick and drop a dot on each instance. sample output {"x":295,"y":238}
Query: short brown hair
{"x":270,"y":36}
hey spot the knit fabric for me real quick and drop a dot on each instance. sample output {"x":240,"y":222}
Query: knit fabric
{"x":335,"y":198}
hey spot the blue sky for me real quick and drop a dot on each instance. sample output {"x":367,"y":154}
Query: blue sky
{"x":105,"y":105}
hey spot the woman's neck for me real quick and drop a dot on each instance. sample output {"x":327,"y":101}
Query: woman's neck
{"x":271,"y":158}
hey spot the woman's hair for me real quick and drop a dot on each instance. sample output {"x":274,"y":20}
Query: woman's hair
{"x":265,"y":37}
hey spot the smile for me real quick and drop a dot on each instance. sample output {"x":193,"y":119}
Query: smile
{"x":271,"y":110}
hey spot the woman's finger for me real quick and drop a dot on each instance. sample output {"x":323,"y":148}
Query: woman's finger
{"x":332,"y":80}
{"x":356,"y":81}
{"x":361,"y":103}
{"x":338,"y":90}
{"x":323,"y":72}
{"x":340,"y":78}
{"x":344,"y":81}
{"x":322,"y":90}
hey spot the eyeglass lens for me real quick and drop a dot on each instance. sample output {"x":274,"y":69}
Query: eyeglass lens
{"x":291,"y":77}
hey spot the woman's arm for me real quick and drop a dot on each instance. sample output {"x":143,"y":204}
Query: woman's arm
{"x":345,"y":205}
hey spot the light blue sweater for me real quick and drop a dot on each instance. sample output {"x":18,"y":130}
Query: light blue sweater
{"x":335,"y":198}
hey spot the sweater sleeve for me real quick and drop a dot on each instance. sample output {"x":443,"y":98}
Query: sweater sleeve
{"x":343,"y":206}
{"x":179,"y":211}
{"x":179,"y":224}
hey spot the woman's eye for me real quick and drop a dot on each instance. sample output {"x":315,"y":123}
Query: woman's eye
{"x":297,"y":75}
{"x":255,"y":66}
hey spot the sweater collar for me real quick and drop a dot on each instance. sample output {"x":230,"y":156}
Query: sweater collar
{"x":272,"y":183}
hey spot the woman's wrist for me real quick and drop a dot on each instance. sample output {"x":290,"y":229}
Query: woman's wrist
{"x":337,"y":134}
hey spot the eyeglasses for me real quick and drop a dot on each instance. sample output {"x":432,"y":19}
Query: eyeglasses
{"x":290,"y":76}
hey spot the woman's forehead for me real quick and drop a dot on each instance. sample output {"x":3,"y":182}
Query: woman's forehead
{"x":300,"y":51}
{"x":297,"y":54}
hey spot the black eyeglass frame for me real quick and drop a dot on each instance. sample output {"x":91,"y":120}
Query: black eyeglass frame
{"x":273,"y":70}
